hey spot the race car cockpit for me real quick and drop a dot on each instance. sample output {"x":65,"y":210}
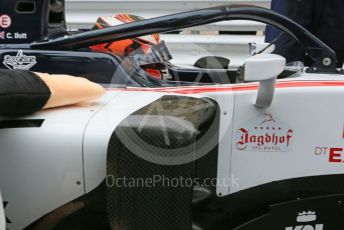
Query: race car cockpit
{"x":35,"y":36}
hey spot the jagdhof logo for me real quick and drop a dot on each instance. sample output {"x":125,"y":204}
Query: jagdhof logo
{"x":20,"y":61}
{"x":265,"y":134}
{"x":305,"y":220}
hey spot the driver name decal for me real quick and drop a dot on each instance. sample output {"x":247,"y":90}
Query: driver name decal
{"x":264,"y":134}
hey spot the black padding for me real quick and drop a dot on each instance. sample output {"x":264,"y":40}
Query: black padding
{"x":22,"y":123}
{"x":21,"y":93}
{"x":212,"y":62}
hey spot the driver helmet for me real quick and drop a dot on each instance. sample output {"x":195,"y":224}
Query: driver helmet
{"x":150,"y":52}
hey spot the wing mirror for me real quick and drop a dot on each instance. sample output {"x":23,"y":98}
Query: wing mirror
{"x":264,"y":68}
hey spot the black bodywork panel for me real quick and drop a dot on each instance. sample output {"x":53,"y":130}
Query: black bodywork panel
{"x":101,"y":68}
{"x":32,"y":20}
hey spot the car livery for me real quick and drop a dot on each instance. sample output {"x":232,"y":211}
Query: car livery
{"x":167,"y":154}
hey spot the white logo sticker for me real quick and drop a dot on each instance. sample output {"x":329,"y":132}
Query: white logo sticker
{"x":264,"y":134}
{"x":20,"y":61}
{"x":306,"y":218}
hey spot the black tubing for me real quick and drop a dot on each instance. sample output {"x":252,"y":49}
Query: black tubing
{"x":316,"y":49}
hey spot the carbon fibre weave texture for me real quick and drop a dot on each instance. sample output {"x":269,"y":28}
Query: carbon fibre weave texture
{"x":160,"y":207}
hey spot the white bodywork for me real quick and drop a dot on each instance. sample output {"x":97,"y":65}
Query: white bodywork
{"x":43,"y":168}
{"x":2,"y":215}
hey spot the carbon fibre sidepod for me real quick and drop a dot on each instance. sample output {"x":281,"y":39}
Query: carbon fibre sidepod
{"x":156,"y":148}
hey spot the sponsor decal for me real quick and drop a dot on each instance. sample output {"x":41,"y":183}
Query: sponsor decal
{"x":305,"y":217}
{"x":264,"y":134}
{"x":20,"y":61}
{"x":334,"y":155}
{"x":304,"y":220}
{"x":5,"y":21}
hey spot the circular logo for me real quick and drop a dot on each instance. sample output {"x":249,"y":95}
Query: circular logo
{"x":5,"y":21}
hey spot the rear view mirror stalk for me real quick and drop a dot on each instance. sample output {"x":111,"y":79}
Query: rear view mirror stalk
{"x":264,"y":68}
{"x":266,"y":92}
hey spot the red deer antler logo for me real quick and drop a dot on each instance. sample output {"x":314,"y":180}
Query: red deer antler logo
{"x":267,"y":118}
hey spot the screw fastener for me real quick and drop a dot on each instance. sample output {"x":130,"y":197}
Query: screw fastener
{"x":327,"y":61}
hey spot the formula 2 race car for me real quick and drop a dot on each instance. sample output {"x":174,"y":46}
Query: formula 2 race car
{"x":164,"y":155}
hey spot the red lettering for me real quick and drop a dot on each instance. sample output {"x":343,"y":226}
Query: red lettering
{"x":241,"y":145}
{"x":275,"y":139}
{"x":261,"y":139}
{"x":268,"y":138}
{"x":290,"y":132}
{"x":253,"y":139}
{"x":335,"y":155}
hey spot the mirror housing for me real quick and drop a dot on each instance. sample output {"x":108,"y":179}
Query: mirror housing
{"x":264,"y":68}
